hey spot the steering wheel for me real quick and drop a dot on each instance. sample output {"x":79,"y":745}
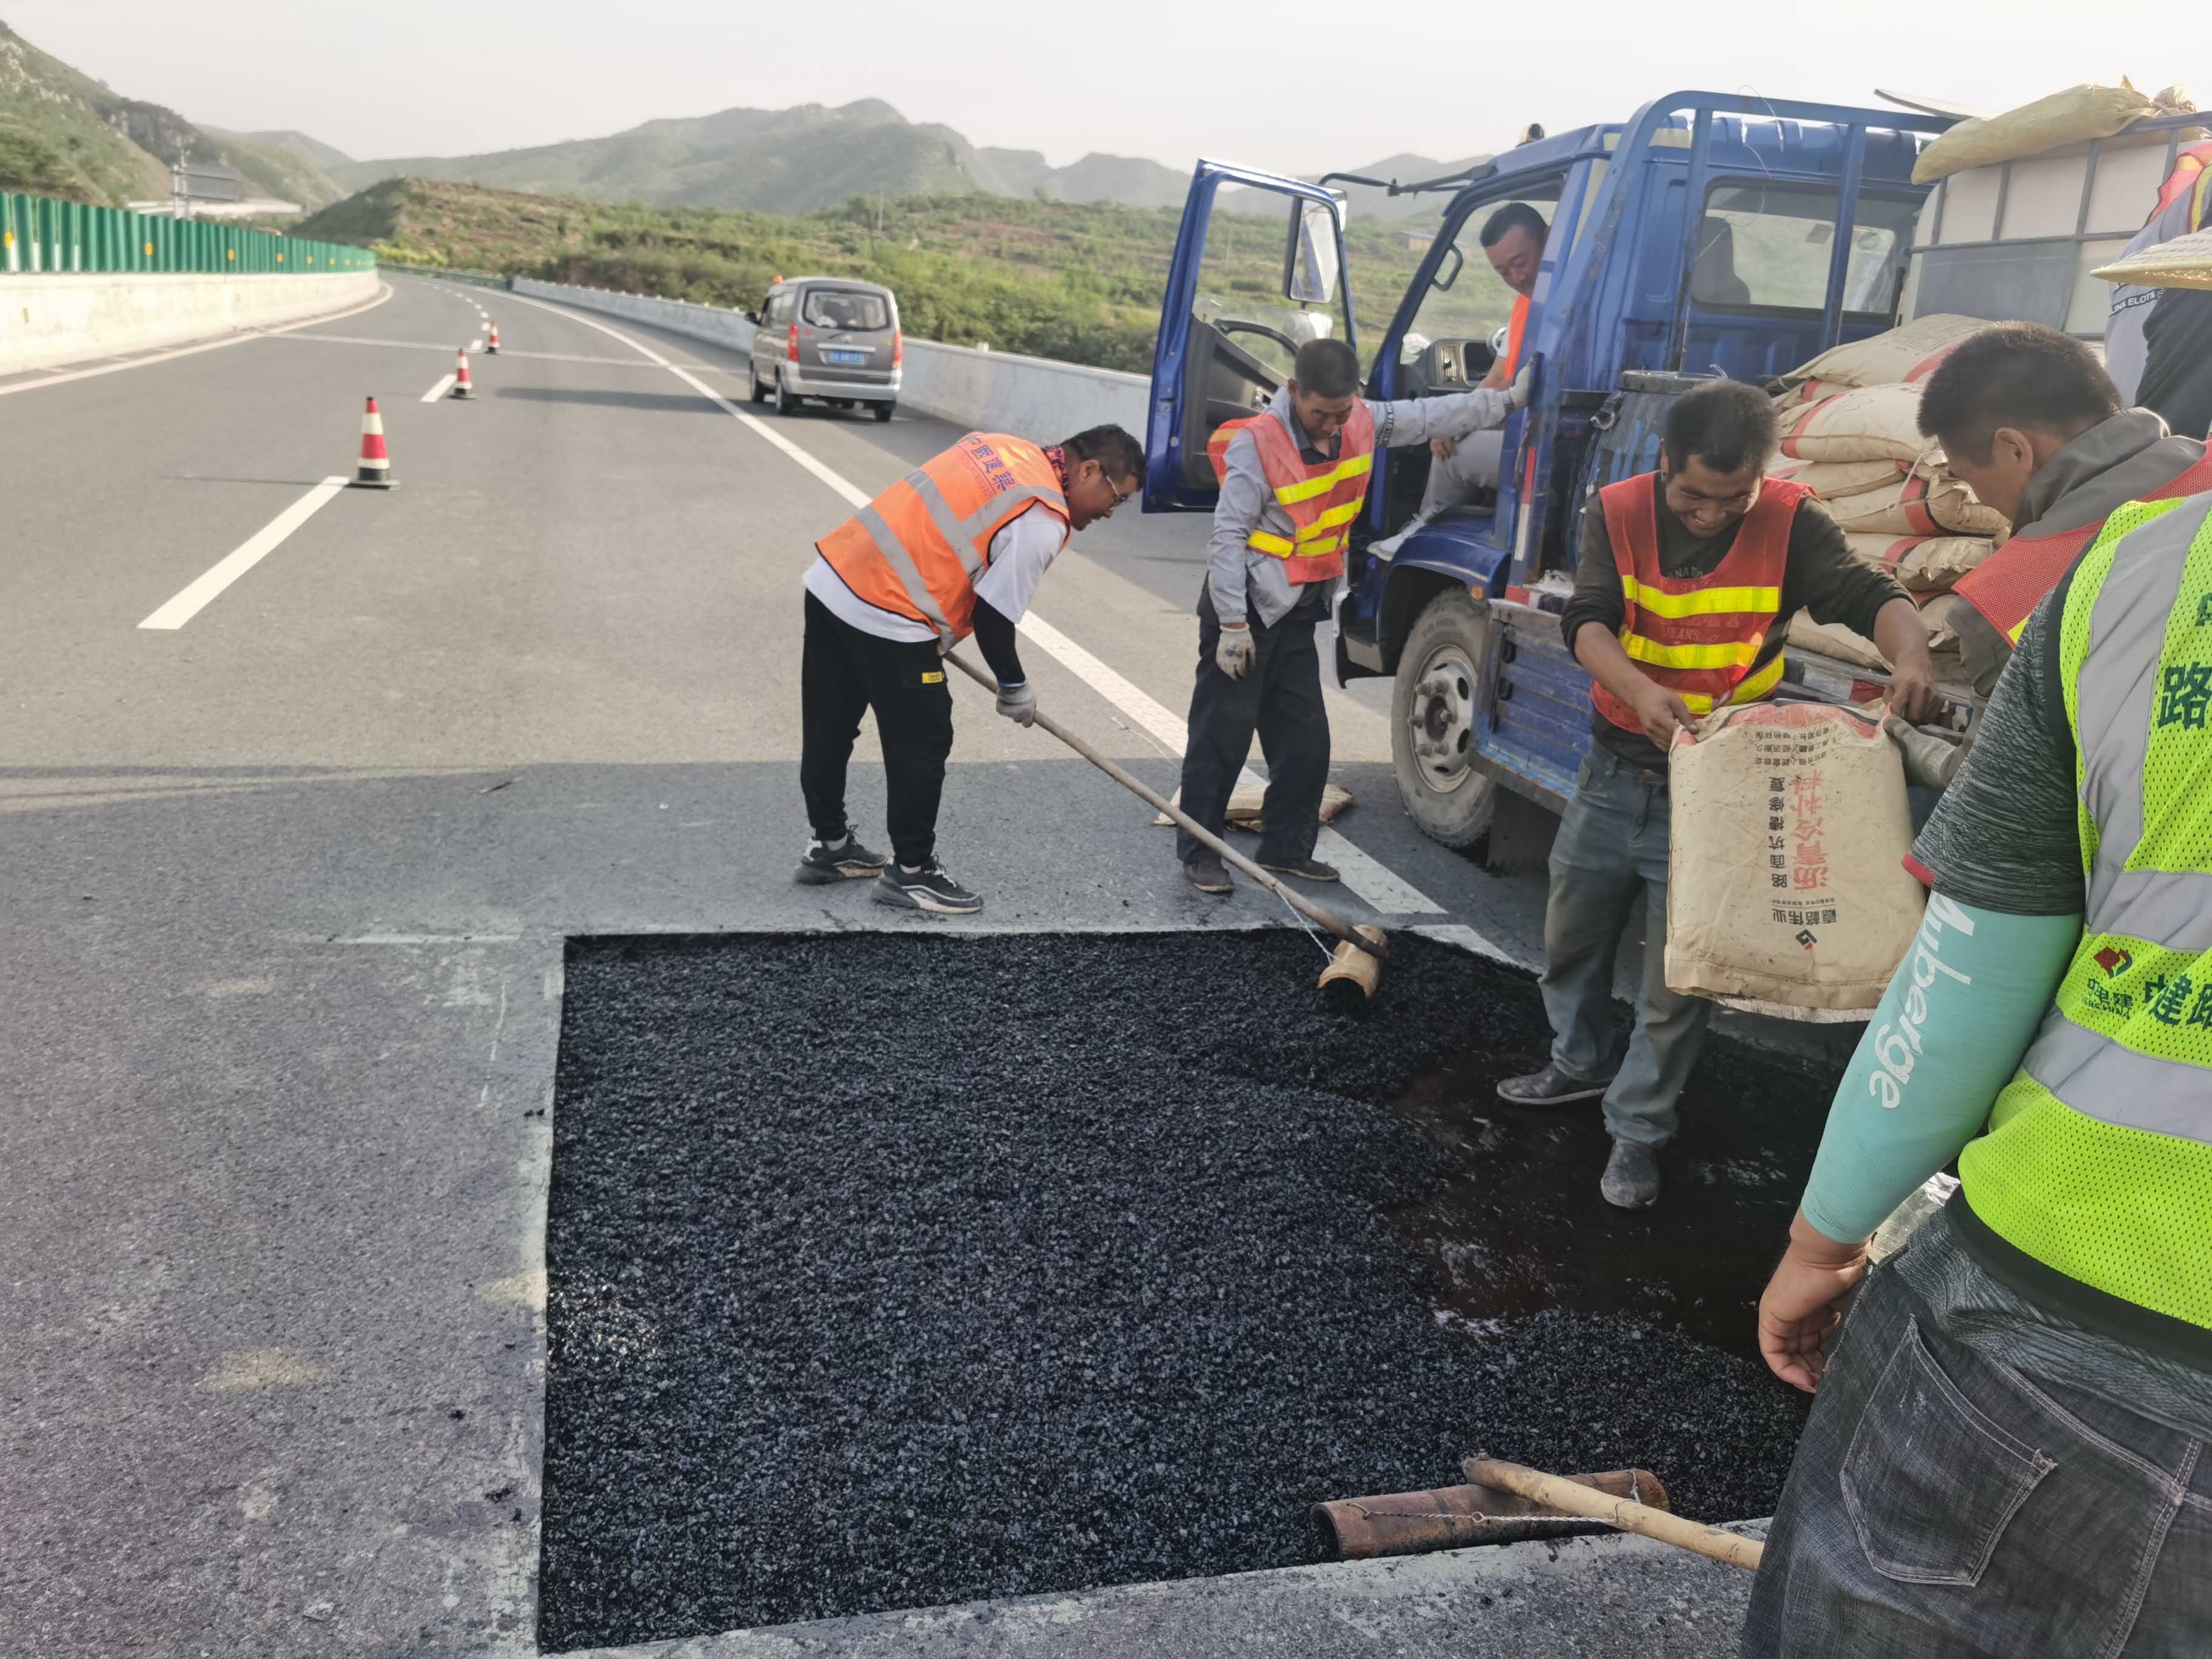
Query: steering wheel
{"x":1232,"y":325}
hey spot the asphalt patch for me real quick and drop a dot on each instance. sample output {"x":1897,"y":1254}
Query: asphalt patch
{"x":889,"y":1270}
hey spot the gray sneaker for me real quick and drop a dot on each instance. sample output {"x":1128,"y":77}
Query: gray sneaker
{"x":840,"y":860}
{"x":1631,"y":1176}
{"x":1551,"y":1087}
{"x":926,"y":889}
{"x":1206,"y":873}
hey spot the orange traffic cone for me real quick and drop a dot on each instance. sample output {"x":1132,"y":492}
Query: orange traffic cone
{"x":491,"y":345}
{"x":461,"y":386}
{"x":375,"y":471}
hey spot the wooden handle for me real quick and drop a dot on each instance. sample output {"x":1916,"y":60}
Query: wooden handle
{"x":1378,"y":947}
{"x":1571,"y":1497}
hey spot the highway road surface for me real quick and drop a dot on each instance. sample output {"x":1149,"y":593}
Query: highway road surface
{"x":303,"y":789}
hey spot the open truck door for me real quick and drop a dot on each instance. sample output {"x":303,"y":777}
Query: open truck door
{"x":1250,"y":283}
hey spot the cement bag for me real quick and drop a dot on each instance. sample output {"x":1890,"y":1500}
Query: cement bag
{"x":1926,"y":501}
{"x":1867,"y":423}
{"x":1834,"y":480}
{"x":1785,"y":883}
{"x":1909,"y":353}
{"x":1925,"y":564}
{"x":2072,"y":117}
{"x":1834,"y":641}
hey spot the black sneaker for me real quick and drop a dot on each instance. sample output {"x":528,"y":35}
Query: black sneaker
{"x":843,"y":861}
{"x":1307,"y":869}
{"x":1206,"y":872}
{"x":926,"y":889}
{"x":1551,"y":1087}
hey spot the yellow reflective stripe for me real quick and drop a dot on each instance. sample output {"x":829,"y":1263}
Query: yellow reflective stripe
{"x":1705,"y":601}
{"x":1306,"y":488}
{"x":1739,"y":654}
{"x":1329,"y":520}
{"x":1754,"y":687}
{"x":1260,"y":541}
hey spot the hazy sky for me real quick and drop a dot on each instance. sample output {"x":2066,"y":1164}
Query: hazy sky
{"x":1289,"y":85}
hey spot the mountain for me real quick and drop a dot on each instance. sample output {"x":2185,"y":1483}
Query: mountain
{"x":62,"y":133}
{"x":326,"y":156}
{"x":788,"y":160}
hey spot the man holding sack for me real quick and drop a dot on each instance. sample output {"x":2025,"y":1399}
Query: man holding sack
{"x":1691,"y":574}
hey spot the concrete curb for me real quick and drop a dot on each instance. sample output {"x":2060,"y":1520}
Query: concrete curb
{"x":53,"y":320}
{"x":1614,"y":1594}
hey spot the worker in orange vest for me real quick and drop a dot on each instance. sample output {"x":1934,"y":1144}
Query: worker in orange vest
{"x":1513,"y":240}
{"x":1688,"y":578}
{"x":1293,"y":480}
{"x":956,"y":547}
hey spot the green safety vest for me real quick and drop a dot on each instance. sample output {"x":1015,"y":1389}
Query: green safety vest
{"x":2098,"y":1161}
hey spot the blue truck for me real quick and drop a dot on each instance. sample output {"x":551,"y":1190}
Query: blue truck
{"x":1710,"y":233}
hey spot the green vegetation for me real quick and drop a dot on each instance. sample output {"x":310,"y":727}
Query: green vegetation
{"x":1080,"y":282}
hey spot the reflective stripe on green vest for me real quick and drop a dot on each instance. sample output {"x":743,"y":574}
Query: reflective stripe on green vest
{"x":2099,"y":1157}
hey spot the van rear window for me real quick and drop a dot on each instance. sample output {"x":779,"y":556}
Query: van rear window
{"x":830,"y":307}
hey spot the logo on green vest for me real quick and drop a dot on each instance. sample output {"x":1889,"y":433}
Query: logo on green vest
{"x":2185,"y":694}
{"x":2113,"y":960}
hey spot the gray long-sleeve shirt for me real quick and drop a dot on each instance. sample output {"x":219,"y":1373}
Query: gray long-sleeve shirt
{"x":1244,"y":582}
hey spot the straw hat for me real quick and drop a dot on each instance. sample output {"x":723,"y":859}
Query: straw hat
{"x":2184,"y":262}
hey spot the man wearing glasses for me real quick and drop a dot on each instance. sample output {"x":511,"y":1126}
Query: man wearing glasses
{"x":957,"y":547}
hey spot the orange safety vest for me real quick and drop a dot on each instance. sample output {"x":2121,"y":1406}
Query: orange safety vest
{"x":2007,"y":585}
{"x":917,"y":549}
{"x":1699,"y":636}
{"x":1322,"y":499}
{"x":1514,"y":329}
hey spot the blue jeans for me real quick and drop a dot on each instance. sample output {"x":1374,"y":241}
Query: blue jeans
{"x":1982,"y":1478}
{"x":1612,"y":846}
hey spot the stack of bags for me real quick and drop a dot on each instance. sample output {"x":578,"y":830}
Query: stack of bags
{"x":1850,"y":432}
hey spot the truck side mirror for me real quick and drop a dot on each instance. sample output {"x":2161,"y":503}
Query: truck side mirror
{"x":1310,"y":261}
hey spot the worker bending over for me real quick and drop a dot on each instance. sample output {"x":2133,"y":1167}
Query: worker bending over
{"x":1513,"y":240}
{"x":2008,"y":1451}
{"x":1688,"y":578}
{"x":1292,"y":481}
{"x":2033,"y":425}
{"x":957,"y":546}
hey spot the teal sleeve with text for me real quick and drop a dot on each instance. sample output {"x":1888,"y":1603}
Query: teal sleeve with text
{"x":1949,"y":1034}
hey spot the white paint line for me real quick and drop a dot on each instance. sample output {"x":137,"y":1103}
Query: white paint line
{"x":1467,"y":938}
{"x":475,"y":345}
{"x":1366,"y":878}
{"x":227,"y":569}
{"x":444,"y":386}
{"x":384,"y":293}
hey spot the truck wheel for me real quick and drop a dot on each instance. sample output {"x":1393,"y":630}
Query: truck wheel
{"x":1433,"y":720}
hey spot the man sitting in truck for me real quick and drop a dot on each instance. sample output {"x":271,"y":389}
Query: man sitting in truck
{"x":2033,"y":425}
{"x":1513,"y":240}
{"x":1688,"y":578}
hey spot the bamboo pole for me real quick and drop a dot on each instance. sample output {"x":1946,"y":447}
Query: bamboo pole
{"x":1572,"y":1498}
{"x":1376,"y":946}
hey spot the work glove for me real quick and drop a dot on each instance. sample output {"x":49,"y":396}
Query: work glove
{"x":1517,"y":395}
{"x":1017,"y":703}
{"x":1233,"y":656}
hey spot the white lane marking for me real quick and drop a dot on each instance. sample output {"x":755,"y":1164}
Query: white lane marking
{"x":1365,"y":877}
{"x":197,"y":594}
{"x":475,"y":345}
{"x":384,"y":292}
{"x":1467,"y":938}
{"x":444,"y":386}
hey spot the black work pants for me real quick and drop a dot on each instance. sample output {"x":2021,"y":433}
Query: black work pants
{"x":842,"y":672}
{"x":1279,"y":698}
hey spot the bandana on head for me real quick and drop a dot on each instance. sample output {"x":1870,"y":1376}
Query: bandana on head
{"x":1057,"y":454}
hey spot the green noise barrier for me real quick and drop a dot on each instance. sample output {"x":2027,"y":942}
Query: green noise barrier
{"x":41,"y":235}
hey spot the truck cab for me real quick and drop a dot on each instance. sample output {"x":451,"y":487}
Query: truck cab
{"x":1708,"y":235}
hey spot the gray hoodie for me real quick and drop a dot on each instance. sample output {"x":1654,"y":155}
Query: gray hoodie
{"x":1243,"y":581}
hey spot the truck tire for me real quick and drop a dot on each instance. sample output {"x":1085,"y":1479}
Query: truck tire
{"x":1433,"y":720}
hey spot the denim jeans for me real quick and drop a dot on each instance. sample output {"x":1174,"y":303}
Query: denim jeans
{"x":1611,"y":845}
{"x":1983,"y":1478}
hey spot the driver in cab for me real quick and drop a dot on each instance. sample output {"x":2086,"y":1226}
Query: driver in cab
{"x":1293,"y":479}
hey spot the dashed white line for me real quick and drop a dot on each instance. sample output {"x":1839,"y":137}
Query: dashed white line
{"x":199,"y":594}
{"x":444,"y":386}
{"x":1365,"y":877}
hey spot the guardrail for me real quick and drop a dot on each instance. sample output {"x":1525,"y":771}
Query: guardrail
{"x":42,"y":236}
